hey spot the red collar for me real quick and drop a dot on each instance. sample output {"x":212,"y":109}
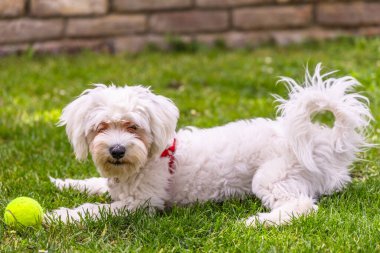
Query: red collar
{"x":169,"y":152}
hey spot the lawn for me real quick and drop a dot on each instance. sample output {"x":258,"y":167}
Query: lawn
{"x":211,"y":87}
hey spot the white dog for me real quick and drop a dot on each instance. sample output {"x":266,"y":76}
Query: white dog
{"x":287,"y":163}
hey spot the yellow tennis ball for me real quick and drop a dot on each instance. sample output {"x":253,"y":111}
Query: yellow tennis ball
{"x":23,"y":211}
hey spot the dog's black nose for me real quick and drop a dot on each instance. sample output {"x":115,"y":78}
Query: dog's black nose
{"x":117,"y":151}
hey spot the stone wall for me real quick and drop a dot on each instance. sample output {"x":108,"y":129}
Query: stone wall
{"x":131,"y":25}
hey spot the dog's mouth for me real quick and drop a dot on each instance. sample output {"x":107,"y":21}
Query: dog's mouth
{"x":116,"y":162}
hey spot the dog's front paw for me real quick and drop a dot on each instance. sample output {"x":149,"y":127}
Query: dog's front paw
{"x":59,"y":183}
{"x":65,"y":215}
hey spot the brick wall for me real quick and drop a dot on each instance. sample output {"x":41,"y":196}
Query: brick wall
{"x":130,"y":25}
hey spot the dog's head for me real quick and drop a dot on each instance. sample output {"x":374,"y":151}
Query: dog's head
{"x":122,"y":127}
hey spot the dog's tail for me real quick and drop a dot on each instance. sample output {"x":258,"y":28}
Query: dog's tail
{"x":323,"y":93}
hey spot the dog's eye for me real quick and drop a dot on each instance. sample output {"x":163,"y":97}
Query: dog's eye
{"x":132,"y":128}
{"x":102,"y":127}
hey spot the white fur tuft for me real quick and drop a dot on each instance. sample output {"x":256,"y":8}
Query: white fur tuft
{"x":74,"y":116}
{"x":318,"y":94}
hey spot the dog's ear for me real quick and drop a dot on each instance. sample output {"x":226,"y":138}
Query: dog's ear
{"x":163,"y":117}
{"x":74,"y":118}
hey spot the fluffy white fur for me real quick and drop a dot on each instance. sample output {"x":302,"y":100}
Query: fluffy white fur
{"x":287,"y":163}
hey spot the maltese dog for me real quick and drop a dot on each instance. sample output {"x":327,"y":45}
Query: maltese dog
{"x":143,"y":162}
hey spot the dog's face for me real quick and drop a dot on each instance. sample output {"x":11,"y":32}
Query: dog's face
{"x":122,"y":127}
{"x":119,"y":147}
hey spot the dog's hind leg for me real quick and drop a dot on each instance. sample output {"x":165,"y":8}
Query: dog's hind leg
{"x":92,"y":186}
{"x":283,"y":190}
{"x":285,"y":212}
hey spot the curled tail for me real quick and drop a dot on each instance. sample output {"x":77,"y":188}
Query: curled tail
{"x":323,"y":93}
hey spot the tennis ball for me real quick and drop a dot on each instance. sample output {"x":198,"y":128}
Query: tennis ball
{"x":23,"y":211}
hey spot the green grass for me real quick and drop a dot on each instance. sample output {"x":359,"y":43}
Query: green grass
{"x":211,"y":87}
